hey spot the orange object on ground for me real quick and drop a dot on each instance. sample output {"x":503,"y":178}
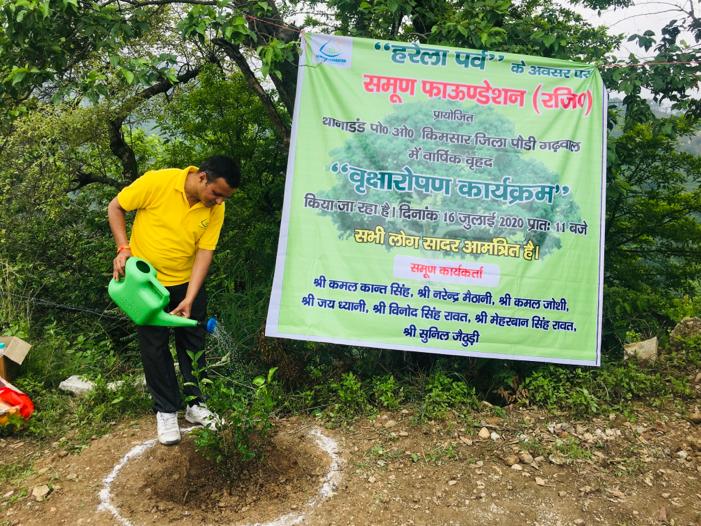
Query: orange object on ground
{"x":17,"y":399}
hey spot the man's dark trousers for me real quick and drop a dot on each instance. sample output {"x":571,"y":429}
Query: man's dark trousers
{"x":159,"y":367}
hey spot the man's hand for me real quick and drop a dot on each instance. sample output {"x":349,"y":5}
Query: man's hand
{"x":183,"y":309}
{"x":116,"y":215}
{"x":119,"y":263}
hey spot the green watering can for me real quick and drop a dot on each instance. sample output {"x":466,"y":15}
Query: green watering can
{"x":141,"y":296}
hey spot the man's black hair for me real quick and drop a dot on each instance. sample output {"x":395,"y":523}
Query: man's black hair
{"x":222,"y":166}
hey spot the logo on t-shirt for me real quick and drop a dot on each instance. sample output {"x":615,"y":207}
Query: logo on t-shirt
{"x":204,"y":223}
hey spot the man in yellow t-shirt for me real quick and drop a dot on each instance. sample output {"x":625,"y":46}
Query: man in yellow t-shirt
{"x":179,"y":214}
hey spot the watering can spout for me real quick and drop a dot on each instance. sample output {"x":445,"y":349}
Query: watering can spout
{"x":163,"y":319}
{"x":210,"y":325}
{"x":141,"y":296}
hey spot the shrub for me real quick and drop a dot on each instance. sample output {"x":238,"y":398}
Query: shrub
{"x":443,"y":394}
{"x":590,"y":391}
{"x":349,"y":399}
{"x":244,"y":426}
{"x":387,"y":392}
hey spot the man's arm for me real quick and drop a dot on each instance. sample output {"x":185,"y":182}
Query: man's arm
{"x":203,"y":258}
{"x":116,"y":215}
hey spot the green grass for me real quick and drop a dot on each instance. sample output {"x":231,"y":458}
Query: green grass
{"x":571,"y":449}
{"x":15,"y":470}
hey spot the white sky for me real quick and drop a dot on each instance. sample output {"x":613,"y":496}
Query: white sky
{"x":644,"y":15}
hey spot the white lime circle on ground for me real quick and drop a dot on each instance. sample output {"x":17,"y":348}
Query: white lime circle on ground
{"x":328,"y":486}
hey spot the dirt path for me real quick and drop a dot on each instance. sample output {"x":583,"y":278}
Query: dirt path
{"x":528,"y":468}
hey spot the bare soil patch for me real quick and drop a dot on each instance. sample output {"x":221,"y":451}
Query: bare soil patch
{"x":530,"y":467}
{"x":176,"y":485}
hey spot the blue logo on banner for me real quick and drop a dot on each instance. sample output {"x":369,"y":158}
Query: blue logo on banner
{"x":329,"y":54}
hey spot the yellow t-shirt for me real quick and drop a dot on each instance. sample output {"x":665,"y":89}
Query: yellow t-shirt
{"x":167,"y":231}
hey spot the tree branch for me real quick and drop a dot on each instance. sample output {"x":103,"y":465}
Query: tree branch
{"x":118,"y":144}
{"x":233,"y":52}
{"x":144,"y":3}
{"x":83,"y":179}
{"x":274,"y":27}
{"x":672,"y":216}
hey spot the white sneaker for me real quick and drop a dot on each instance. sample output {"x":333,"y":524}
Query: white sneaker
{"x":199,"y":414}
{"x":168,"y":429}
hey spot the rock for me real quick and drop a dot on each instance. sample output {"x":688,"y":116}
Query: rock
{"x":139,"y":383}
{"x":517,"y":467}
{"x":511,"y":460}
{"x":403,"y":434}
{"x":661,"y":514}
{"x":697,"y":378}
{"x":39,"y":493}
{"x":643,"y":352}
{"x":607,"y":434}
{"x":695,"y":417}
{"x":452,"y":482}
{"x":579,"y":522}
{"x":494,"y":435}
{"x":76,"y":385}
{"x":562,"y":493}
{"x":557,"y":459}
{"x":466,"y":441}
{"x":682,"y":454}
{"x":71,"y":476}
{"x":616,"y":493}
{"x":540,"y":481}
{"x":79,"y":385}
{"x":686,"y":328}
{"x":525,"y":457}
{"x":390,"y":423}
{"x":694,"y":442}
{"x":484,"y":433}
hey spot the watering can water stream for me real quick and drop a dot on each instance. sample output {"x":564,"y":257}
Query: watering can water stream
{"x":142,"y":297}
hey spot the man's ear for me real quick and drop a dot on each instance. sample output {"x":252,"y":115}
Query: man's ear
{"x":202,"y":177}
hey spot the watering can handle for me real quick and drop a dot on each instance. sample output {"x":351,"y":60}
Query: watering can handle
{"x":159,"y":289}
{"x":162,"y":293}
